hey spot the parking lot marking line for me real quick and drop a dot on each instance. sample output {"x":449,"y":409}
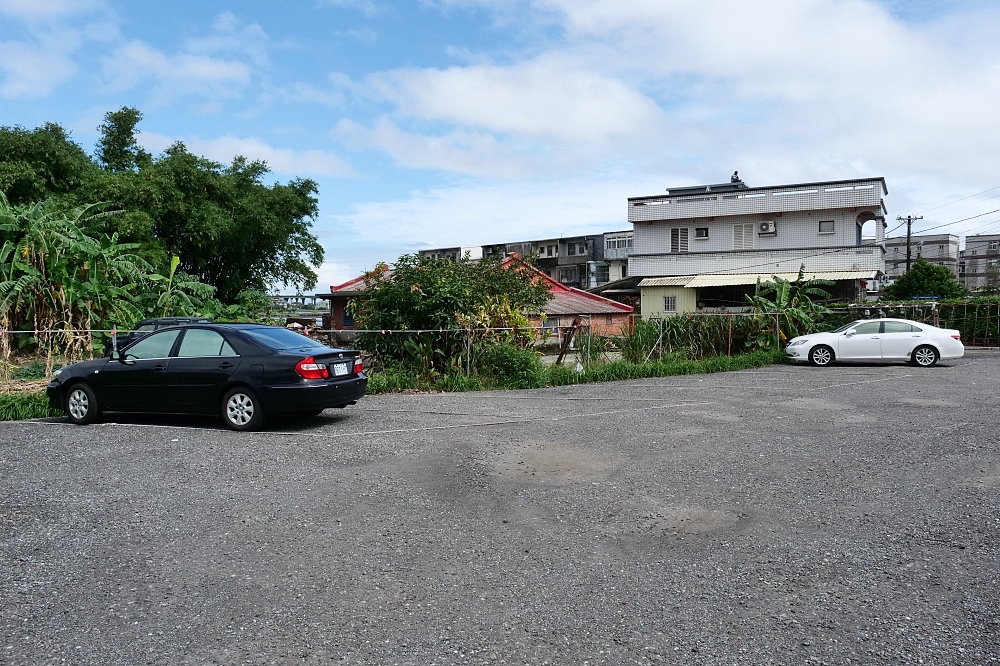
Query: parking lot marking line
{"x":397,"y":430}
{"x":872,"y":381}
{"x":488,"y":423}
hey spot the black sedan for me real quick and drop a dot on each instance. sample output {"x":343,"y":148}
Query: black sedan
{"x":239,"y":371}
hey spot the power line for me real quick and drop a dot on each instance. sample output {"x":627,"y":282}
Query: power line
{"x":971,"y":196}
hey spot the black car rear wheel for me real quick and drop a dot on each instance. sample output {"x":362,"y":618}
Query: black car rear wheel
{"x":81,"y":404}
{"x":241,"y":410}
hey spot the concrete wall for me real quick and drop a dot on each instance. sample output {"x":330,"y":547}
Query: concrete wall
{"x":652,"y":300}
{"x":792,"y":230}
{"x":866,"y":258}
{"x":859,"y":194}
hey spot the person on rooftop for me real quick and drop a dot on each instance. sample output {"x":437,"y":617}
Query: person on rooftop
{"x":735,"y":178}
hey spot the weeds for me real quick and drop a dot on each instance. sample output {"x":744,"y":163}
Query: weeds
{"x":18,"y":406}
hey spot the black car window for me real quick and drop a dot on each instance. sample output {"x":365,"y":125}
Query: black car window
{"x":868,"y":327}
{"x":157,"y":345}
{"x":145,"y":327}
{"x":281,"y":338}
{"x":897,"y":327}
{"x":204,"y":342}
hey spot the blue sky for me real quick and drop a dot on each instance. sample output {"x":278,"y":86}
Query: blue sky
{"x":459,"y":122}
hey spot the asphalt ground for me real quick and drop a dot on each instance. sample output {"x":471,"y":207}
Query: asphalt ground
{"x":785,"y":515}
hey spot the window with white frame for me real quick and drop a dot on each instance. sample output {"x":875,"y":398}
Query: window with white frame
{"x":670,"y":304}
{"x":679,"y":239}
{"x":743,"y":236}
{"x":618,"y":242}
{"x":994,"y":245}
{"x":826,"y":226}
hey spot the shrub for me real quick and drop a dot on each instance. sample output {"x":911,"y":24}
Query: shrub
{"x":391,"y":380}
{"x":457,"y":383}
{"x":509,"y":366}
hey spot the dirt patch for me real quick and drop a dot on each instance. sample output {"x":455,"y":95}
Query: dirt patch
{"x":548,"y":462}
{"x":689,"y":520}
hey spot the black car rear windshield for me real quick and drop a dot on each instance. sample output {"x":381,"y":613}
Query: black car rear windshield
{"x":281,"y":338}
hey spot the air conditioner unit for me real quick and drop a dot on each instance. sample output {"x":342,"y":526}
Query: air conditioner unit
{"x":766,"y":228}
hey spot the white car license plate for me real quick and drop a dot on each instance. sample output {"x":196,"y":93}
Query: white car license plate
{"x":339,"y":369}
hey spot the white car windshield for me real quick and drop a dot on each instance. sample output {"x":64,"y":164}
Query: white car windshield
{"x":847,"y":326}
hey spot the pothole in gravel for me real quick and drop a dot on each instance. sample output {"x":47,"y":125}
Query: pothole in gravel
{"x":689,"y":520}
{"x":929,"y":402}
{"x":819,"y":403}
{"x":547,"y":462}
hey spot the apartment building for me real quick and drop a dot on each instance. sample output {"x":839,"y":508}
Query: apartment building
{"x":704,"y":248}
{"x":981,"y":254}
{"x":582,"y":262}
{"x":940,"y":249}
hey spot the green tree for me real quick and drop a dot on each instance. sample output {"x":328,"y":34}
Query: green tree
{"x":925,"y":279}
{"x":118,"y":149}
{"x":232,"y":230}
{"x":41,"y":163}
{"x":427,"y":294}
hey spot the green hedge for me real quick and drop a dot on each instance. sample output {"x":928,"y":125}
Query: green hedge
{"x":18,"y":406}
{"x":535,"y":375}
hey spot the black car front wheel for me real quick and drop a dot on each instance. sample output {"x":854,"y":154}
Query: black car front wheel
{"x":81,"y":404}
{"x":241,"y":410}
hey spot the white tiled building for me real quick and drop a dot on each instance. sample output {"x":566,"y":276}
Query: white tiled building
{"x":714,"y":241}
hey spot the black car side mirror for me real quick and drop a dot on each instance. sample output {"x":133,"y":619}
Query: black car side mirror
{"x":114,"y":355}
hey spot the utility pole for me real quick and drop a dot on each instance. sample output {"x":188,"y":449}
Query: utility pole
{"x":909,"y":219}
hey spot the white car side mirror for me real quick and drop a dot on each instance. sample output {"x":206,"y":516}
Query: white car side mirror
{"x":849,"y":334}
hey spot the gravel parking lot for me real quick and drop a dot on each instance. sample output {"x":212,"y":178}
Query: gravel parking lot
{"x":785,"y":515}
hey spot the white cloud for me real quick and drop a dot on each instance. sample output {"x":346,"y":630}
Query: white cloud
{"x":285,"y":161}
{"x":32,"y":70}
{"x":548,"y":98}
{"x":50,"y":33}
{"x":367,"y":7}
{"x":172,"y":76}
{"x":331,"y":273}
{"x":46,"y":10}
{"x":230,"y":36}
{"x":462,"y":151}
{"x":504,"y":212}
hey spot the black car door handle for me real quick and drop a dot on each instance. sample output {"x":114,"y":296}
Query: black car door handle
{"x":225,"y":365}
{"x":159,"y":368}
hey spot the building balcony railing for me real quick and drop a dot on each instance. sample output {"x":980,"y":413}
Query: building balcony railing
{"x":852,"y":258}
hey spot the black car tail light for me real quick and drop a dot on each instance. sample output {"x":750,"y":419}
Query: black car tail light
{"x":308,"y":368}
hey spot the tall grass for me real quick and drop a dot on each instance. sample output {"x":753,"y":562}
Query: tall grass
{"x":18,"y":406}
{"x":696,"y":336}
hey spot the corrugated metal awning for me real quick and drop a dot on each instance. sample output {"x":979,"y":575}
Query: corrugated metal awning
{"x":751,"y":278}
{"x":674,"y":281}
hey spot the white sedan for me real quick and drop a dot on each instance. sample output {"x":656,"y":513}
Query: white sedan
{"x":878,"y":339}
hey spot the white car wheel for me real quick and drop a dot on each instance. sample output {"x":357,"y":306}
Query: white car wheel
{"x":821,"y":355}
{"x":925,"y":356}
